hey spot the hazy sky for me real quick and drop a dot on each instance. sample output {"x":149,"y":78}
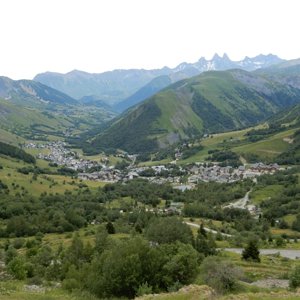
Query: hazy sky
{"x":101,"y":35}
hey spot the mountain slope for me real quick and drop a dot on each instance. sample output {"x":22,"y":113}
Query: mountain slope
{"x":115,"y":86}
{"x":145,"y":92}
{"x":29,"y":90}
{"x":287,"y":73}
{"x":211,"y":102}
{"x":290,"y":116}
{"x":279,"y":142}
{"x":94,"y":101}
{"x":33,"y":110}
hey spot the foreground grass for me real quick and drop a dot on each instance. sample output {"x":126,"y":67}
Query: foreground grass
{"x":17,"y":290}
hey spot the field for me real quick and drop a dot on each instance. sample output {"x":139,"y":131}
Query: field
{"x":20,"y":183}
{"x":257,"y":196}
{"x":268,"y":148}
{"x":265,"y":149}
{"x":216,"y":141}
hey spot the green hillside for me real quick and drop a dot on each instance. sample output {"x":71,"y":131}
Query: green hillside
{"x":268,"y":148}
{"x":277,"y":140}
{"x":32,"y":110}
{"x":208,"y":103}
{"x":26,"y":121}
{"x":15,"y":152}
{"x":10,"y":138}
{"x":290,"y":116}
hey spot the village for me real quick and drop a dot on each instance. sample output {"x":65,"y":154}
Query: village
{"x":180,"y":177}
{"x":61,"y":156}
{"x":202,"y":172}
{"x":184,"y":177}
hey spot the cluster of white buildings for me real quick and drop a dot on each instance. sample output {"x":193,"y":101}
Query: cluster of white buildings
{"x":105,"y":175}
{"x":60,"y":155}
{"x":199,"y":172}
{"x":216,"y":173}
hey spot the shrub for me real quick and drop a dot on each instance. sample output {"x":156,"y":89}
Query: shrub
{"x":110,"y":228}
{"x":220,"y":274}
{"x":294,"y":280}
{"x":70,"y":284}
{"x":144,"y":289}
{"x":18,"y":243}
{"x":17,"y":268}
{"x":168,"y":230}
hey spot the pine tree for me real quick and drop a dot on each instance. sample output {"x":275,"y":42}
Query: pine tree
{"x":202,"y":231}
{"x":110,"y":228}
{"x":205,"y":244}
{"x":251,"y":252}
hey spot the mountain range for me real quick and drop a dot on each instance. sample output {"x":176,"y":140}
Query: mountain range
{"x":116,"y":86}
{"x":162,"y":108}
{"x":213,"y":101}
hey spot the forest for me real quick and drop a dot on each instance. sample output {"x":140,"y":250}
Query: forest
{"x":16,"y":152}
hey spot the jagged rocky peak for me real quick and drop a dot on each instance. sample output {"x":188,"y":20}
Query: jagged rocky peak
{"x":216,"y":57}
{"x":225,"y":56}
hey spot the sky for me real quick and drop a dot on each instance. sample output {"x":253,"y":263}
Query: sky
{"x":102,"y":35}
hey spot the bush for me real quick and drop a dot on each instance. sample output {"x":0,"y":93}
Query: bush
{"x":144,"y":289}
{"x":134,"y":266}
{"x":17,"y":268}
{"x":294,"y":280}
{"x":70,"y":284}
{"x":110,"y":228}
{"x":18,"y":243}
{"x":220,"y":274}
{"x":168,"y":230}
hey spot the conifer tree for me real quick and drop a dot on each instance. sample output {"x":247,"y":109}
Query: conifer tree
{"x":251,"y":252}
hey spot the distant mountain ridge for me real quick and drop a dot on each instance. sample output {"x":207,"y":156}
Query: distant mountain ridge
{"x":110,"y":87}
{"x":218,"y":63}
{"x":35,"y":91}
{"x":115,"y":86}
